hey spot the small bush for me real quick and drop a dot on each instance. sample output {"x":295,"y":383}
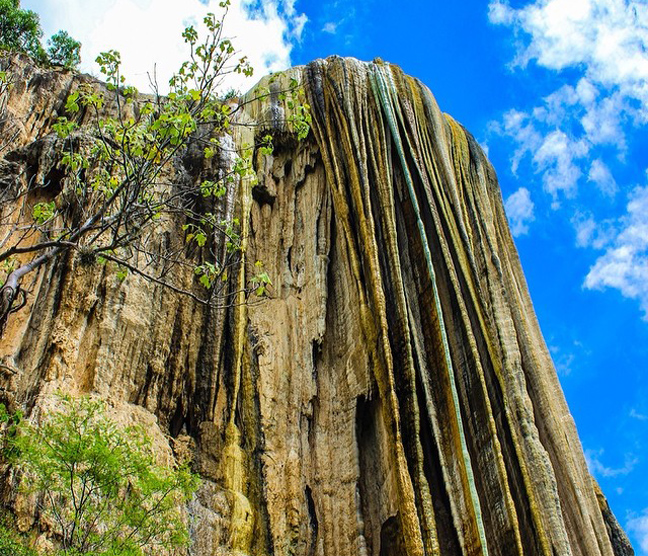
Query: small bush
{"x":97,"y":483}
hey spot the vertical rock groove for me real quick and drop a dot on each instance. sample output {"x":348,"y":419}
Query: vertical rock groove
{"x":391,"y":396}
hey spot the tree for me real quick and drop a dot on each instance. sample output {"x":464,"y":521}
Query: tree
{"x":63,"y":50}
{"x":120,"y":190}
{"x":20,"y":29}
{"x":100,"y":485}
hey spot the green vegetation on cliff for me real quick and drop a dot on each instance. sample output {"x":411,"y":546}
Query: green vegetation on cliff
{"x":21,"y":30}
{"x":13,"y":544}
{"x":124,"y":179}
{"x":98,"y":484}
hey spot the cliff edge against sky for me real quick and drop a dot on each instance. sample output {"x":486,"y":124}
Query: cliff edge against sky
{"x":392,"y":395}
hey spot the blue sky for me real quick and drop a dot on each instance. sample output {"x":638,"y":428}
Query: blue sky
{"x":557,"y":92}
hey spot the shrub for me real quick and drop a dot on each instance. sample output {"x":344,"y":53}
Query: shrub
{"x":100,"y":484}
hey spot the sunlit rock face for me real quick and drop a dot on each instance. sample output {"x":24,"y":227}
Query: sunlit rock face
{"x":391,"y":396}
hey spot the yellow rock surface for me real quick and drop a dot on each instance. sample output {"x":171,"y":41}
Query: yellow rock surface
{"x":392,"y":396}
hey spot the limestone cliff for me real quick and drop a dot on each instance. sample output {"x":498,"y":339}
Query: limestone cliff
{"x":392,"y":396}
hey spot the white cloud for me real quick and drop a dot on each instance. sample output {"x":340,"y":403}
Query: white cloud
{"x":604,"y":43}
{"x":298,"y":23}
{"x":330,"y":27}
{"x":638,"y":526}
{"x":603,"y":121}
{"x":554,"y":154}
{"x":501,"y":13}
{"x":519,"y":209}
{"x":581,"y":130}
{"x":624,"y":265}
{"x":597,"y":468}
{"x":147,"y":33}
{"x":590,"y":233}
{"x":608,"y":37}
{"x":585,"y":227}
{"x":556,"y":158}
{"x":600,"y":174}
{"x":519,"y":126}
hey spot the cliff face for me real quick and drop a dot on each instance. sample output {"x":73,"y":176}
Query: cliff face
{"x":392,"y":396}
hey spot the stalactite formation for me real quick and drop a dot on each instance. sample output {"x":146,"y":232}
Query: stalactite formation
{"x":393,"y":394}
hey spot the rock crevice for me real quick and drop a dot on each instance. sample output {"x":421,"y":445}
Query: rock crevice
{"x":393,"y":395}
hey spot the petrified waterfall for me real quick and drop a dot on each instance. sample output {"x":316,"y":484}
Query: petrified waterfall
{"x":392,"y":396}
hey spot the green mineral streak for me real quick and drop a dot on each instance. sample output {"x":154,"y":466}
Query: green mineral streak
{"x":511,"y":400}
{"x":379,"y":159}
{"x":344,"y":155}
{"x":462,"y":161}
{"x":385,"y":90}
{"x":448,"y":191}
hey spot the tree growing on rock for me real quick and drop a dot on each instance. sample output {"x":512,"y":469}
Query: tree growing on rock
{"x":21,"y":30}
{"x":98,"y":485}
{"x":117,"y":190}
{"x":63,"y":50}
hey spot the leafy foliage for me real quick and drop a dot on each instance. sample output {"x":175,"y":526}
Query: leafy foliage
{"x":260,"y":280}
{"x":43,"y":212}
{"x":100,"y":485}
{"x":21,"y":30}
{"x":9,"y":423}
{"x":11,"y":543}
{"x":63,"y":50}
{"x":120,"y":192}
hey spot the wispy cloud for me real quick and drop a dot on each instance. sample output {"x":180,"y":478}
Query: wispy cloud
{"x":593,"y":233}
{"x":606,"y":37}
{"x":581,"y":131}
{"x":637,"y":415}
{"x":344,"y":25}
{"x":624,"y":264}
{"x":556,"y":158}
{"x":600,"y":174}
{"x":519,"y":209}
{"x":554,"y":153}
{"x":564,"y":364}
{"x":638,"y":526}
{"x":566,"y":360}
{"x":599,"y":469}
{"x":148,"y":32}
{"x":604,"y":43}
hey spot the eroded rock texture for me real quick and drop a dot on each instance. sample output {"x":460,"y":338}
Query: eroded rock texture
{"x":392,"y":396}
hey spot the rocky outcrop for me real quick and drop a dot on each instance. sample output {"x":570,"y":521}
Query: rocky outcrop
{"x":391,"y":396}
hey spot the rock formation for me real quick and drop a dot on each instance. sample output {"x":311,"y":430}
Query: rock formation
{"x":393,"y":394}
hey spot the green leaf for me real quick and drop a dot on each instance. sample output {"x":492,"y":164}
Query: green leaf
{"x":71,"y":104}
{"x":63,"y":50}
{"x":201,"y":239}
{"x":42,"y":212}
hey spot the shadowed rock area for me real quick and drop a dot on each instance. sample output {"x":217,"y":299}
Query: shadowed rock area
{"x":392,"y":396}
